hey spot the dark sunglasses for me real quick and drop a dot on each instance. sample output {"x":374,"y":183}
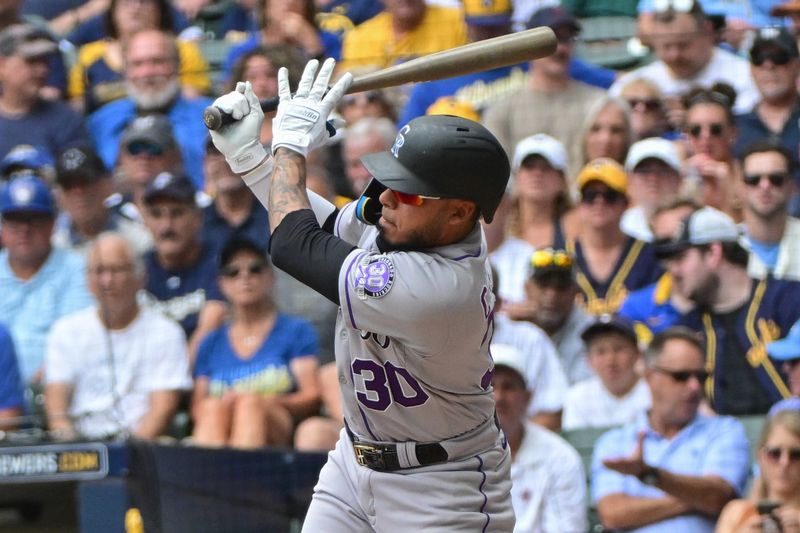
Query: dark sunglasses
{"x":139,"y":147}
{"x":715,"y":129}
{"x":682,"y":376}
{"x":233,"y":271}
{"x":649,"y":104}
{"x":776,"y":179}
{"x":774,"y":453}
{"x":609,"y":196}
{"x":776,"y":57}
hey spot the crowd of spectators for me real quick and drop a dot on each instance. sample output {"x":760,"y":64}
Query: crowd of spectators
{"x":646,"y":252}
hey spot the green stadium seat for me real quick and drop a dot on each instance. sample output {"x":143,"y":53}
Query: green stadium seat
{"x":215,"y":51}
{"x":610,"y":42}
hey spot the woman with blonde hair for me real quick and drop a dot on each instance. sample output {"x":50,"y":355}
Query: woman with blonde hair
{"x":774,"y":503}
{"x":606,"y":131}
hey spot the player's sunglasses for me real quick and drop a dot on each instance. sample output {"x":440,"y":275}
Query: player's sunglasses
{"x":715,"y":129}
{"x":549,"y":257}
{"x":253,"y":269}
{"x":682,"y":376}
{"x":648,"y":104}
{"x":609,"y":196}
{"x":776,"y":179}
{"x":141,"y":147}
{"x":412,"y":199}
{"x":776,"y":57}
{"x":775,"y":453}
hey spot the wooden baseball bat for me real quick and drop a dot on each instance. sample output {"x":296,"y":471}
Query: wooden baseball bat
{"x":473,"y":57}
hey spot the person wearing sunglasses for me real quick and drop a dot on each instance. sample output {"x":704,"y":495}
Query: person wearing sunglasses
{"x":648,"y":115}
{"x":737,"y":314}
{"x":407,"y":264}
{"x":147,"y":148}
{"x":710,"y":165}
{"x":775,"y":67}
{"x":767,"y":185}
{"x":684,"y":40}
{"x":255,"y":376}
{"x":672,"y":468}
{"x":774,"y":501}
{"x":609,"y":263}
{"x":615,"y":394}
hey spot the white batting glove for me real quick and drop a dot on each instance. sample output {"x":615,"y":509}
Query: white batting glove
{"x":300,"y":122}
{"x":239,"y":141}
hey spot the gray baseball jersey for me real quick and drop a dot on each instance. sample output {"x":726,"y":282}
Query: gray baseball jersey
{"x":413,"y":332}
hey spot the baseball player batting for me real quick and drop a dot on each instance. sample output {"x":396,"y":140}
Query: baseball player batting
{"x":421,"y":449}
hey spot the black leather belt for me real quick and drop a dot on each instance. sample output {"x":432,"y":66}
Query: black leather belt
{"x":383,"y":457}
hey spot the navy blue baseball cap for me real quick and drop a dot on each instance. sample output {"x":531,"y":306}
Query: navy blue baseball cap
{"x":28,"y":157}
{"x":787,"y":348}
{"x":171,"y":186}
{"x":26,"y":194}
{"x":554,"y":17}
{"x":608,"y":323}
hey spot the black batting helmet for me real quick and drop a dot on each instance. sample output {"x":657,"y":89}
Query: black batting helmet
{"x":445,"y":156}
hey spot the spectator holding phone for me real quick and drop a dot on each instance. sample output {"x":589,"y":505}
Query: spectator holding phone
{"x":774,"y":504}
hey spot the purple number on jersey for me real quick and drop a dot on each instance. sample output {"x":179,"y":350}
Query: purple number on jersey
{"x":377,"y":384}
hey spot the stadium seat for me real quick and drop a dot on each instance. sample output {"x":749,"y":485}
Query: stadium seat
{"x":610,"y":42}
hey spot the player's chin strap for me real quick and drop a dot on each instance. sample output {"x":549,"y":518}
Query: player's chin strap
{"x":368,"y":207}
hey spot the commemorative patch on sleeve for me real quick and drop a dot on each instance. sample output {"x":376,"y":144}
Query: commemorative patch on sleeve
{"x":374,"y":276}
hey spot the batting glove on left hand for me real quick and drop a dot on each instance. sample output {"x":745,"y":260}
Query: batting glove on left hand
{"x":300,"y":122}
{"x":239,"y":141}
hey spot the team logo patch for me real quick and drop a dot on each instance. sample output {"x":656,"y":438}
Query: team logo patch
{"x":374,"y":276}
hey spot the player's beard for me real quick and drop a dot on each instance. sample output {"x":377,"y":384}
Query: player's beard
{"x":415,"y":242}
{"x":154,"y":100}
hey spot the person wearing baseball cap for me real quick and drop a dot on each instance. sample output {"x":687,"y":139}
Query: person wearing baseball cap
{"x":34,"y":274}
{"x":25,"y":157}
{"x":415,"y":291}
{"x":736,"y":313}
{"x":84,"y":184}
{"x":615,"y":394}
{"x":786,"y":352}
{"x":654,"y":167}
{"x":549,"y":483}
{"x":181,"y":267}
{"x":774,"y":67}
{"x":610,"y":263}
{"x":25,"y":56}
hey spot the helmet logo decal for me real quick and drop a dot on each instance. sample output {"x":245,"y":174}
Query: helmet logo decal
{"x":400,"y":140}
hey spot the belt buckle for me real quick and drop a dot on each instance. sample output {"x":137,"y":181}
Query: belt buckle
{"x":369,"y":456}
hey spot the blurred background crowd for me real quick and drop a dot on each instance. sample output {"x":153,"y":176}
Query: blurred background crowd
{"x":646,"y":253}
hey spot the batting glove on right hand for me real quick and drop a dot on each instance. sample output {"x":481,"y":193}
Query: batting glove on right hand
{"x":240,"y":141}
{"x":300,"y":122}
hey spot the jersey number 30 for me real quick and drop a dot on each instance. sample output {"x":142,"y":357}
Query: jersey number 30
{"x":383,"y":385}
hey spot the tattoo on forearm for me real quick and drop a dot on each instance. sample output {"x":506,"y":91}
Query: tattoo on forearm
{"x":288,"y":189}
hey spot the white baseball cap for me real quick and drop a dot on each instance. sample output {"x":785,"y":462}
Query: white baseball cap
{"x":704,"y":226}
{"x":655,"y":148}
{"x":543,"y":145}
{"x":513,"y":358}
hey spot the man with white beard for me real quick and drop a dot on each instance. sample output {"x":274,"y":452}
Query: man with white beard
{"x":153,"y":86}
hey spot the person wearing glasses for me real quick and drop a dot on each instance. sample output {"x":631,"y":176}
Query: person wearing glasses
{"x":774,"y":502}
{"x":684,"y":41}
{"x":610,"y":263}
{"x":673,"y":468}
{"x":773,"y":237}
{"x":737,"y":314}
{"x":710,"y":165}
{"x":775,"y":67}
{"x":407,"y":264}
{"x":648,"y":110}
{"x":255,"y":376}
{"x":616,"y":394}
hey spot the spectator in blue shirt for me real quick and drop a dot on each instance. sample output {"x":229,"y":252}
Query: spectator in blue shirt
{"x":787,"y":352}
{"x":12,"y":398}
{"x":38,"y":283}
{"x":672,"y":469}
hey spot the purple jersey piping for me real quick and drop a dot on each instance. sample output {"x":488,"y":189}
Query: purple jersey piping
{"x":366,"y":423}
{"x":467,"y":256}
{"x":347,"y":292}
{"x":485,"y":498}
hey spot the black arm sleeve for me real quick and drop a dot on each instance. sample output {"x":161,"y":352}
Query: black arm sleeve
{"x":301,"y":248}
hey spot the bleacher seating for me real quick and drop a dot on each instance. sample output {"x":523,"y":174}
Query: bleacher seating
{"x":610,"y":42}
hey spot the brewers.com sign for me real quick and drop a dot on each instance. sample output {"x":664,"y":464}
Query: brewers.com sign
{"x":58,"y":462}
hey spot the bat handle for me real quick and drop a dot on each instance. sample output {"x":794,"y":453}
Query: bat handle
{"x":215,"y":118}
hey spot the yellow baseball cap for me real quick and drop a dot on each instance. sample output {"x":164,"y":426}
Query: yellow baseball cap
{"x":606,"y":171}
{"x":447,"y":105}
{"x":487,"y":12}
